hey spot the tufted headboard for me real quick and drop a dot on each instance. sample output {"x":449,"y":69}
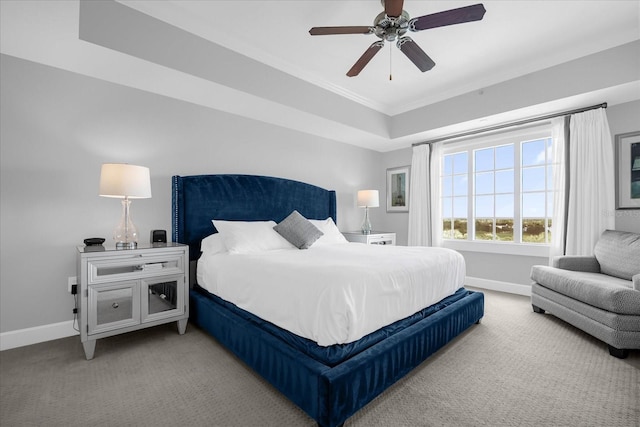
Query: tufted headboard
{"x":198,"y":199}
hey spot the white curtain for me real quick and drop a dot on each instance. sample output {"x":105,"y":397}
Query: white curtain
{"x":591,"y":207}
{"x":436,"y":214}
{"x":419,"y":198}
{"x":558,"y":157}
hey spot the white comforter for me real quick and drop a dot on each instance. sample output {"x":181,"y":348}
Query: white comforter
{"x":334,"y":294}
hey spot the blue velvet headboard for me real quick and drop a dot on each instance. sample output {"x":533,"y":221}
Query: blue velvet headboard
{"x":198,"y":199}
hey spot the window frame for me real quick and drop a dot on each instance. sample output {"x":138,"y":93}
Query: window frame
{"x":515,"y":137}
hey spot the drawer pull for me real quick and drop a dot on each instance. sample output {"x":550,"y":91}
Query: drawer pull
{"x":115,"y":305}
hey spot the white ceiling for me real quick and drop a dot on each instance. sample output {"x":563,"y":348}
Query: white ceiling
{"x":514,"y":39}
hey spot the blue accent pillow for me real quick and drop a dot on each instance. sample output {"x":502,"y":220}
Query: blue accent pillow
{"x":298,"y":230}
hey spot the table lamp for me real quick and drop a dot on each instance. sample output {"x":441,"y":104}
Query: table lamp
{"x":367,"y":199}
{"x":125,"y":182}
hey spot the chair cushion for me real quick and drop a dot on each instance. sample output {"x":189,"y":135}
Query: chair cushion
{"x":599,"y":290}
{"x":618,"y":253}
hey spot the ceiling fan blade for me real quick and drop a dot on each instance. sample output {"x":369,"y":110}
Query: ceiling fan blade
{"x":324,"y":31}
{"x":365,"y":58}
{"x":448,"y":17}
{"x":393,"y":8}
{"x":415,"y":54}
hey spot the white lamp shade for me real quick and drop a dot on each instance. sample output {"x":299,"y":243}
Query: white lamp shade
{"x":123,"y":180}
{"x":368,"y":198}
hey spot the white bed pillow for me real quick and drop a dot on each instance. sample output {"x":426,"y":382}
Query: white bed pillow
{"x":213,"y":244}
{"x":331,"y":234}
{"x":242,"y":237}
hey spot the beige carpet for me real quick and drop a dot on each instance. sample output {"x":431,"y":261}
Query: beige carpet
{"x":516,"y":368}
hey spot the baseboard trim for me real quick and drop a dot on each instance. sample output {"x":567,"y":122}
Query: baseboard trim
{"x":35,"y":335}
{"x":495,"y":285}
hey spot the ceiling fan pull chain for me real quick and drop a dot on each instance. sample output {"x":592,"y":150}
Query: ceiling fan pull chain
{"x":390,"y":50}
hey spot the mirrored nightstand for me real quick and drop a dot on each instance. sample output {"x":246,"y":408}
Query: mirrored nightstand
{"x":125,"y":290}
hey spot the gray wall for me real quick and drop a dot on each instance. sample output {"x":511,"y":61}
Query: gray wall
{"x":515,"y":269}
{"x":625,"y":118}
{"x":59,"y":127}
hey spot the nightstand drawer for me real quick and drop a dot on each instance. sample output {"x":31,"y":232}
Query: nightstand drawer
{"x":113,"y":306}
{"x":134,"y":267}
{"x":375,"y":238}
{"x":382,"y":239}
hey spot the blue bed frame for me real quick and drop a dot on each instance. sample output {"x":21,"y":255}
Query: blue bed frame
{"x":328,"y":394}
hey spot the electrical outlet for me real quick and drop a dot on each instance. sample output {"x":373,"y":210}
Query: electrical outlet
{"x":70,"y":282}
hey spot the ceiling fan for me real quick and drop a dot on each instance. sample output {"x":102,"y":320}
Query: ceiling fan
{"x":392,"y":25}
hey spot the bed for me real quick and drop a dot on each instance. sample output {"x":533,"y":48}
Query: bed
{"x":330,"y":383}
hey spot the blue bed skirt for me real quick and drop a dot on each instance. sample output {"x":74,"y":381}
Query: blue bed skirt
{"x":332,"y":392}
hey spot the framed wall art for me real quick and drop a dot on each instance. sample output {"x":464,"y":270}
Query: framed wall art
{"x":398,"y":189}
{"x":628,"y":170}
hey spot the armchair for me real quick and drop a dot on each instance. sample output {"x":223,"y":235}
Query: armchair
{"x":599,"y":294}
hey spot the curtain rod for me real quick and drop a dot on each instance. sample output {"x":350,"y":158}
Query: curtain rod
{"x":510,"y":124}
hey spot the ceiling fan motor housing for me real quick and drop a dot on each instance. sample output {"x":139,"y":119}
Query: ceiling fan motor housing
{"x":390,"y":28}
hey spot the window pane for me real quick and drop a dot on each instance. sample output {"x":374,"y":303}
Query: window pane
{"x":447,"y":207}
{"x":549,"y":177}
{"x":484,"y":160}
{"x":484,"y":183}
{"x":460,"y":185}
{"x":504,"y":157}
{"x":484,"y":206}
{"x":533,"y":152}
{"x":549,"y":204}
{"x":460,"y":228}
{"x":447,"y":183}
{"x":459,"y":207}
{"x":504,"y":205}
{"x":460,"y":163}
{"x":504,"y":230}
{"x":484,"y":229}
{"x":533,"y":205}
{"x":504,"y":181}
{"x":447,"y":166}
{"x":533,"y":179}
{"x":533,"y":230}
{"x":447,"y":231}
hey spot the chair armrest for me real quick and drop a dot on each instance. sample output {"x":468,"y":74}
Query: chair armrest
{"x":636,"y":282}
{"x":577,"y":263}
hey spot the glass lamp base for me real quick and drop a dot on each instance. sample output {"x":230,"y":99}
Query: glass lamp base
{"x":126,"y":245}
{"x":366,"y":224}
{"x":126,"y":234}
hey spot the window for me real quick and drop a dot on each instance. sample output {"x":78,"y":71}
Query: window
{"x":498,"y":189}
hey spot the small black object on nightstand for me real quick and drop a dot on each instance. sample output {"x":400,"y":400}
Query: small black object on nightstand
{"x":94,"y":241}
{"x":158,"y":236}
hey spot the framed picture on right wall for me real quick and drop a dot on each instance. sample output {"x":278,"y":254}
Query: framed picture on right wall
{"x":628,"y":170}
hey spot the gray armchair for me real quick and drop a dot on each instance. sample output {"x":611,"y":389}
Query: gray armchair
{"x":599,"y":294}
